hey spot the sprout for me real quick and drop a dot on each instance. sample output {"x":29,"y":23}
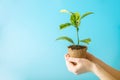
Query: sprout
{"x":75,"y":20}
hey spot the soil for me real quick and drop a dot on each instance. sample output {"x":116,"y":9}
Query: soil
{"x":76,"y":47}
{"x":77,"y":51}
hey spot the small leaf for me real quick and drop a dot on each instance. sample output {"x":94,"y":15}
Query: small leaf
{"x":62,"y":26}
{"x":65,"y":11}
{"x":75,"y":19}
{"x":72,"y":19}
{"x":86,"y":14}
{"x":65,"y":38}
{"x":87,"y":41}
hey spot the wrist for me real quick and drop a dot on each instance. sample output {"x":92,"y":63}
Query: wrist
{"x":95,"y":68}
{"x":92,"y":67}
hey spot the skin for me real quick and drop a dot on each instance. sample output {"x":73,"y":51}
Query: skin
{"x":106,"y":67}
{"x":91,"y":64}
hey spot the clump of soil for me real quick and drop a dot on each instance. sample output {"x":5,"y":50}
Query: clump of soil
{"x":77,"y":51}
{"x":76,"y":47}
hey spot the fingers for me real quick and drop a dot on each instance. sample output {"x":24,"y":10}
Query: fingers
{"x":75,"y":60}
{"x":89,"y":56}
{"x":77,"y":65}
{"x":69,"y":63}
{"x":66,"y":56}
{"x":71,"y":59}
{"x":70,"y":66}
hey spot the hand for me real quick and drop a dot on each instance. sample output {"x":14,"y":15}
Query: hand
{"x":90,"y":57}
{"x":93,"y":64}
{"x":78,"y":65}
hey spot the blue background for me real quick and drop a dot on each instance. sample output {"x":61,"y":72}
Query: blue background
{"x":28,"y":29}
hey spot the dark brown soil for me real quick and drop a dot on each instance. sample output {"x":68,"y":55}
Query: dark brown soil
{"x":77,"y":47}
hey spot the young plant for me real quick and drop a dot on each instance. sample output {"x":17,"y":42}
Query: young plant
{"x":75,"y":20}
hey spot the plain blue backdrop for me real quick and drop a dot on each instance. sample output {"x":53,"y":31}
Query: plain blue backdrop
{"x":28,"y":29}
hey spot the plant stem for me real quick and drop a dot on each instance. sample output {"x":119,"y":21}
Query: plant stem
{"x":77,"y":36}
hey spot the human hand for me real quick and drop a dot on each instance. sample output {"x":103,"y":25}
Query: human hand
{"x":78,"y":65}
{"x":90,"y":57}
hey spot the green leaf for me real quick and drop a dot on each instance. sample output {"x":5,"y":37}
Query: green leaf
{"x":86,"y":14}
{"x":65,"y":11}
{"x":75,"y":19}
{"x":65,"y":38}
{"x":62,"y":26}
{"x":87,"y":41}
